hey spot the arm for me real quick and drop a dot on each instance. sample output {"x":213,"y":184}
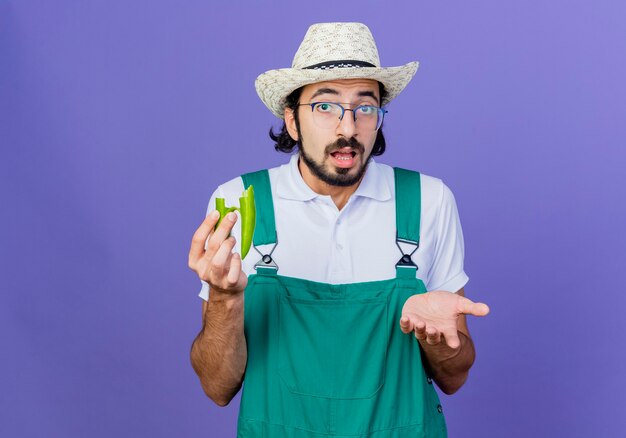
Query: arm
{"x":219,"y":353}
{"x":438,"y":321}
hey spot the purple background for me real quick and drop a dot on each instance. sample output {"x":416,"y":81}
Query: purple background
{"x":118,"y":119}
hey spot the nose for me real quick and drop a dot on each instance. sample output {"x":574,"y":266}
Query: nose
{"x":347,"y":125}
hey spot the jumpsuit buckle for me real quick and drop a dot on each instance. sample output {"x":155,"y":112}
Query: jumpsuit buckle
{"x":266,"y":259}
{"x":406,"y":261}
{"x":266,"y":262}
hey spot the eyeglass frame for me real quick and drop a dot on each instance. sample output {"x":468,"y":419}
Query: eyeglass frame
{"x":381,"y":111}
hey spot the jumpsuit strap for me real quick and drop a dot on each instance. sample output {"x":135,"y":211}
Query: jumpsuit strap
{"x":408,"y":189}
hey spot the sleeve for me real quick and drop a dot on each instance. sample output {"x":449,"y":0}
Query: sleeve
{"x":204,"y":291}
{"x":446,"y":272}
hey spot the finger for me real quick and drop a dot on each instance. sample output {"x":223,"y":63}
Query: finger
{"x":234,"y":270}
{"x":220,"y":235}
{"x":433,"y":337}
{"x":405,"y":324}
{"x":452,"y":338}
{"x":221,"y":257}
{"x":420,"y":330}
{"x":469,"y":307}
{"x":200,"y":236}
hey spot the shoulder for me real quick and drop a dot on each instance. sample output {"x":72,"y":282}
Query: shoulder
{"x":434,"y":190}
{"x":233,"y":188}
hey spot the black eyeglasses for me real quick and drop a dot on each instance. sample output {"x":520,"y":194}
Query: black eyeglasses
{"x":328,"y":115}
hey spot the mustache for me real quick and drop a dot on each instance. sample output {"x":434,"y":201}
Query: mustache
{"x":342,"y":143}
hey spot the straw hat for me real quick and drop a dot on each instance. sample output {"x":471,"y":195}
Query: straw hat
{"x":332,"y":51}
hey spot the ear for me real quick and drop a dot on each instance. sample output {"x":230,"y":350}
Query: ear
{"x":290,"y":123}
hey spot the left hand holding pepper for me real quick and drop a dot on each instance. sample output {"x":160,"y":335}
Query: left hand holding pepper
{"x":432,"y":315}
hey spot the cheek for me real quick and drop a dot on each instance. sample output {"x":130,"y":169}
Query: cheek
{"x":369,"y":144}
{"x":315,"y":142}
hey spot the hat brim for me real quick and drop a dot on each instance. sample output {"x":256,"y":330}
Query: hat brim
{"x":274,"y":86}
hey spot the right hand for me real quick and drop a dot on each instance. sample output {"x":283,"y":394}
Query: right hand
{"x":217,"y":265}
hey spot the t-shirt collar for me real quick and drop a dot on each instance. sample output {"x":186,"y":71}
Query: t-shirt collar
{"x":292,"y":186}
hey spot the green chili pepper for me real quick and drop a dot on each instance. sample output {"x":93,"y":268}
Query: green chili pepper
{"x":247,"y":210}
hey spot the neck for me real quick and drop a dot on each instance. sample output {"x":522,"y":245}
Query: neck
{"x":338,"y":194}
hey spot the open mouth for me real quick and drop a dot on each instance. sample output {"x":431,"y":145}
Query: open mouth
{"x":343,"y":157}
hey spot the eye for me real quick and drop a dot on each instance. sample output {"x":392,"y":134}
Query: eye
{"x":324,"y":107}
{"x":367,"y":110}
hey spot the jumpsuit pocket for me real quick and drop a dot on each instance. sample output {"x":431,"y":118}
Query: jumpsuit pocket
{"x":333,"y":348}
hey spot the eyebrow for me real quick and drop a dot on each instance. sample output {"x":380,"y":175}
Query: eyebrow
{"x":335,"y":92}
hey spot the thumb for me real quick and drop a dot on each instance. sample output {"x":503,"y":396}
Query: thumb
{"x":468,"y":307}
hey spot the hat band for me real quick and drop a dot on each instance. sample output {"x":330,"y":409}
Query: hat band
{"x":339,"y":64}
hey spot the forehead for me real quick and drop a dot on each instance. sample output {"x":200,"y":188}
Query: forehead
{"x":348,"y":88}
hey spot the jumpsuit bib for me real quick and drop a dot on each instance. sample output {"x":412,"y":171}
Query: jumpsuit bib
{"x":330,"y":360}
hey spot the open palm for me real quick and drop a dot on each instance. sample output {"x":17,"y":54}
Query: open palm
{"x":435,"y":313}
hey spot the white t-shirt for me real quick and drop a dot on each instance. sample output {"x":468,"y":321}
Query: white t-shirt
{"x":318,"y":242}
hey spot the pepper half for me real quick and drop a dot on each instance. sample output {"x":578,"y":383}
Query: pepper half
{"x":247,"y":210}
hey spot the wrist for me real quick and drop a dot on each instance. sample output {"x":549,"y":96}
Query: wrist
{"x":227,"y":297}
{"x":441,"y":352}
{"x":446,"y":360}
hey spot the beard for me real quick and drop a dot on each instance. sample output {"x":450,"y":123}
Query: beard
{"x":336,"y":176}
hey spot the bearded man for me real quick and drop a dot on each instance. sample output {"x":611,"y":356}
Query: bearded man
{"x":340,"y":327}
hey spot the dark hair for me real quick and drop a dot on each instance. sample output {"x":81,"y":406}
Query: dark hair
{"x":284,"y":142}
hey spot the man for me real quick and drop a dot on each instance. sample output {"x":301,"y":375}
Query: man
{"x":367,"y":255}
